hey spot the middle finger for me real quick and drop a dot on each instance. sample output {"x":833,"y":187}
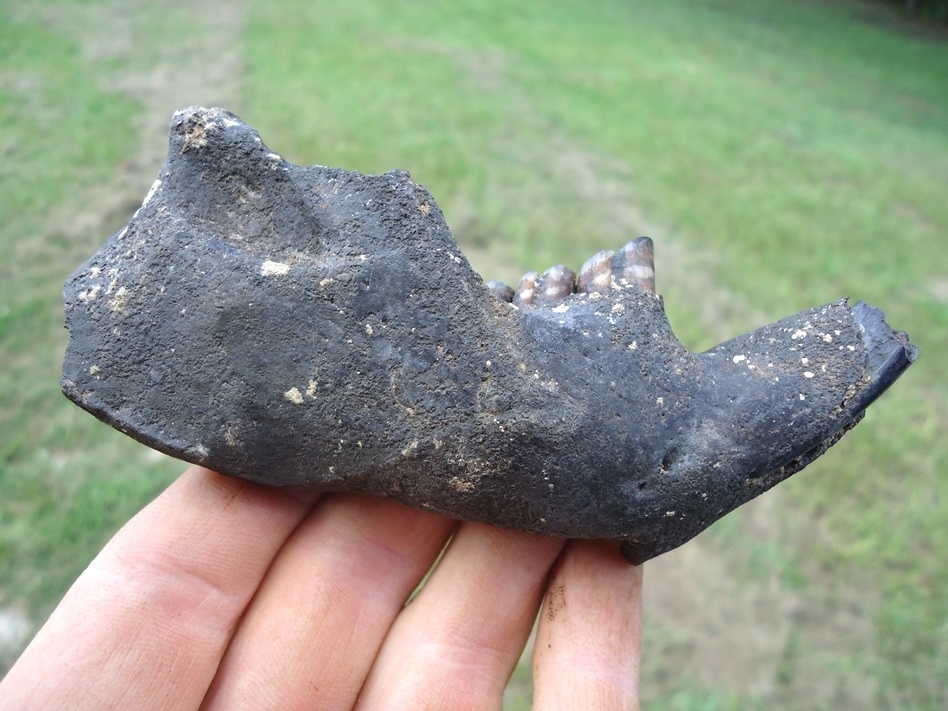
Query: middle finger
{"x":456,"y":644}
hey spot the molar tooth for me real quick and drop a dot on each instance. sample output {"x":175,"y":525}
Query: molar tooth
{"x":596,"y":274}
{"x":557,"y":283}
{"x":635,"y":263}
{"x":526,"y":289}
{"x":501,"y":290}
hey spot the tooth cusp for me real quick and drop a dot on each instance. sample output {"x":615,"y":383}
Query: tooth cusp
{"x":557,"y":283}
{"x":526,"y":289}
{"x":634,"y":264}
{"x":501,"y":290}
{"x":595,"y":276}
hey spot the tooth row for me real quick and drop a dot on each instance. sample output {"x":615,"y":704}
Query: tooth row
{"x":633,"y":264}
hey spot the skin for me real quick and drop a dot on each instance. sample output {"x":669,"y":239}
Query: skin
{"x":224,"y":594}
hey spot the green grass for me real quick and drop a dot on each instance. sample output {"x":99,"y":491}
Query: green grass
{"x":67,"y":481}
{"x":792,"y":153}
{"x":799,"y":152}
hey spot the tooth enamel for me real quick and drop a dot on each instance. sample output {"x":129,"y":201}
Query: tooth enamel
{"x":635,"y":263}
{"x":557,"y":282}
{"x":501,"y":290}
{"x":526,"y":290}
{"x":596,"y":274}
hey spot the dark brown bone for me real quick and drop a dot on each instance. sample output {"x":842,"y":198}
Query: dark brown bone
{"x":313,"y":326}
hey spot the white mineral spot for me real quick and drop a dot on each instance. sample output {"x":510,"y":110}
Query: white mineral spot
{"x":561,"y":309}
{"x":326,"y":282}
{"x":805,"y":361}
{"x":120,"y":300}
{"x":94,"y":370}
{"x":368,"y":329}
{"x":802,"y":396}
{"x":669,"y":513}
{"x":151,"y":192}
{"x":294,"y":396}
{"x":827,"y":338}
{"x":807,"y":374}
{"x":633,"y":346}
{"x":461,"y":486}
{"x":271,"y":268}
{"x":618,"y":309}
{"x":312,"y":388}
{"x":660,"y":401}
{"x":798,"y":334}
{"x":91,"y":294}
{"x":739,"y":358}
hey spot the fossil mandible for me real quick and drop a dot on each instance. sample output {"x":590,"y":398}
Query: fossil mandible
{"x":319,"y":327}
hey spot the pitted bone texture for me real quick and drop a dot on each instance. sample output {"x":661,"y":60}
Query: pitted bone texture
{"x":315,"y":326}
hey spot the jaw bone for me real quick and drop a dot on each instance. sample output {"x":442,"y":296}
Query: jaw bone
{"x":317,"y":327}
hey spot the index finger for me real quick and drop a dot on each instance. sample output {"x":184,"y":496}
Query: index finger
{"x":147,"y":623}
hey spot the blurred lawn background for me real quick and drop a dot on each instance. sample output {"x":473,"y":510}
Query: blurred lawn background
{"x":782,"y":155}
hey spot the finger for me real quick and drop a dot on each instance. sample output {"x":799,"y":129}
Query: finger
{"x":457,"y":642}
{"x":589,"y":638}
{"x":311,"y":633}
{"x":145,"y":625}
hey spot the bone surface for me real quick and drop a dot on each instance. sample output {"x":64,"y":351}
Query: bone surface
{"x":318,"y":327}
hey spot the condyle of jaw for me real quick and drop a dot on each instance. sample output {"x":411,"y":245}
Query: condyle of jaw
{"x":313,"y":326}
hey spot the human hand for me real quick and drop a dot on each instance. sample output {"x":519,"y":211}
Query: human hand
{"x":225,"y":594}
